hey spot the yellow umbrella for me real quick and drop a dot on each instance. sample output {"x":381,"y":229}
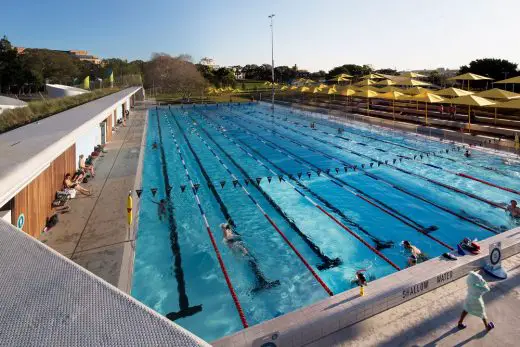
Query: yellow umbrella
{"x":365,"y":88}
{"x":322,"y":86}
{"x":428,"y":98}
{"x":471,"y":100}
{"x":294,"y":87}
{"x":417,"y":90}
{"x":410,"y":82}
{"x":343,"y":75}
{"x":332,"y":90}
{"x":284,"y":88}
{"x":367,"y":94}
{"x":393,"y":95}
{"x":468,"y":77}
{"x":390,"y":89}
{"x":510,"y":80}
{"x":373,"y":76}
{"x":347,"y":92}
{"x":340,"y":78}
{"x":267,"y":83}
{"x":453,"y":92}
{"x":304,"y":89}
{"x":316,"y":90}
{"x":365,"y":82}
{"x":411,"y":74}
{"x":512,"y":104}
{"x":385,"y":83}
{"x":496,"y":93}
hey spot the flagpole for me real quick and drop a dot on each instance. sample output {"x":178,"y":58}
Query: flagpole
{"x":272,"y":63}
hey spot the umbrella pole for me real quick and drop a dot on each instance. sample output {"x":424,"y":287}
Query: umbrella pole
{"x":393,"y":109}
{"x":495,"y":116}
{"x":469,"y":116}
{"x":426,"y":112}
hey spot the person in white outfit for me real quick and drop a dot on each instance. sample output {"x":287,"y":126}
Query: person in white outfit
{"x":474,"y":304}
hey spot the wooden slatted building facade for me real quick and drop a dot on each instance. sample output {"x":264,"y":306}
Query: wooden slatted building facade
{"x":34,"y":200}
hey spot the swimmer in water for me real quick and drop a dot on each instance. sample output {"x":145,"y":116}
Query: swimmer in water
{"x":416,"y":256}
{"x":154,"y":145}
{"x":233,"y":240}
{"x":467,"y":154}
{"x":513,"y":209}
{"x":161,"y":209}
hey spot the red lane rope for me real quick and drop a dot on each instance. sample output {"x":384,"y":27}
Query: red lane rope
{"x":301,"y":257}
{"x":359,"y":238}
{"x":351,"y":232}
{"x":214,"y":244}
{"x":488,"y":183}
{"x":333,"y":180}
{"x":307,"y":265}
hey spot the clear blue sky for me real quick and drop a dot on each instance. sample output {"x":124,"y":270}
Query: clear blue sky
{"x":402,"y":34}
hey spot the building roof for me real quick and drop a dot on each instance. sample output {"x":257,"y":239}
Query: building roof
{"x":48,"y":300}
{"x":64,"y":87}
{"x":4,"y":100}
{"x":28,"y":150}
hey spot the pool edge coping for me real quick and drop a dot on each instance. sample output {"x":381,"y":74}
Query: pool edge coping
{"x":320,"y":319}
{"x":126,"y":272}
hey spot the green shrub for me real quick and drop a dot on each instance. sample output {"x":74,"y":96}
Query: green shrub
{"x":14,"y":118}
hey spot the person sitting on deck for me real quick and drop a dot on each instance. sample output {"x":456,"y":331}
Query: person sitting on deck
{"x":70,"y":184}
{"x":233,"y":240}
{"x":513,"y":209}
{"x":86,"y":168}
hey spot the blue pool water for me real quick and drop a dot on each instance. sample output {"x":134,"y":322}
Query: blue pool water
{"x":176,"y":266}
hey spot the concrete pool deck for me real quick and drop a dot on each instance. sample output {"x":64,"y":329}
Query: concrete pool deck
{"x":95,"y":234}
{"x":431,"y":319}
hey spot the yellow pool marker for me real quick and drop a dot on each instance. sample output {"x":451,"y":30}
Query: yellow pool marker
{"x":129,"y":204}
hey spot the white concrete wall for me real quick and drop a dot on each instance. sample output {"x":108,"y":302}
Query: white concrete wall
{"x":86,"y":142}
{"x":119,"y":111}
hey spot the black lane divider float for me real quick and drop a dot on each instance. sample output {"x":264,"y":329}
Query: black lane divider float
{"x":379,"y":244}
{"x":447,"y":186}
{"x":347,"y":229}
{"x":356,"y":192}
{"x":464,"y":175}
{"x":212,"y":239}
{"x":423,"y":152}
{"x":261,"y":281}
{"x":184,"y":304}
{"x":327,"y":262}
{"x":473,"y":221}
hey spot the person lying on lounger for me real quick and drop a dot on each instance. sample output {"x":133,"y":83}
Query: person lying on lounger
{"x":86,"y":168}
{"x":70,"y":184}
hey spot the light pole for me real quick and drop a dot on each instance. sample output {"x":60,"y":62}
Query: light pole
{"x":272,"y":63}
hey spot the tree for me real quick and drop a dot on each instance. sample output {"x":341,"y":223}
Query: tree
{"x":350,"y":69}
{"x":173,"y":75}
{"x":391,"y":72}
{"x":11,"y":69}
{"x":497,"y":69}
{"x":53,"y":66}
{"x":225,"y":76}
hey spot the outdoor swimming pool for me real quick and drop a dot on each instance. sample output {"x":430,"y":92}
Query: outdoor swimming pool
{"x":312,"y":207}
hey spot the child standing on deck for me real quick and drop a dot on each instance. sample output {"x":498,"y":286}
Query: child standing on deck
{"x":474,"y":304}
